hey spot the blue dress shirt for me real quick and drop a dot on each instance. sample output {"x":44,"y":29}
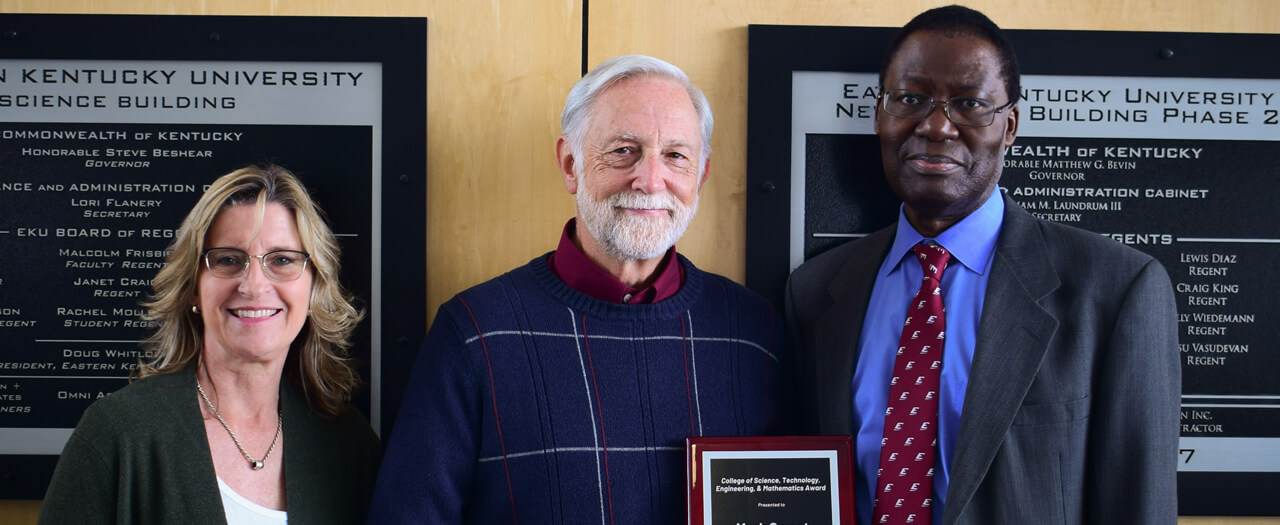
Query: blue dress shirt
{"x":972,"y":243}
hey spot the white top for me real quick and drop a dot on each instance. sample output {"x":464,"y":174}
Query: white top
{"x":241,"y":511}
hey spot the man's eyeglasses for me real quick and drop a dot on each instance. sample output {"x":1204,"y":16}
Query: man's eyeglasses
{"x":963,"y":111}
{"x":280,"y":265}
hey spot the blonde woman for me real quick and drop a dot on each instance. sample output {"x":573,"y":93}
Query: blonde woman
{"x":242,"y":414}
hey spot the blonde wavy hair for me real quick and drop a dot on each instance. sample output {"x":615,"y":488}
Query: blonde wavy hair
{"x":317,"y":359}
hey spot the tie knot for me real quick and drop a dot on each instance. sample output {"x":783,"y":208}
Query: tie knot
{"x":933,"y":259}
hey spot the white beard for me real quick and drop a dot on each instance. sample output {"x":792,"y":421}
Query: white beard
{"x":628,"y":237}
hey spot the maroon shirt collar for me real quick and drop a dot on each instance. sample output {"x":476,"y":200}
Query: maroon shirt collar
{"x":572,"y":266}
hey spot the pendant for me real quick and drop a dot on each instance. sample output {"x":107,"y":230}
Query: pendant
{"x":256,"y":465}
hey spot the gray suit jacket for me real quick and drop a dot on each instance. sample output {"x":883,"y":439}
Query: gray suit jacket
{"x":1072,"y":409}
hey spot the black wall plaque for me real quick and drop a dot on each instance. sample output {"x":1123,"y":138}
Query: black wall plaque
{"x":110,"y":129}
{"x":1162,"y":141}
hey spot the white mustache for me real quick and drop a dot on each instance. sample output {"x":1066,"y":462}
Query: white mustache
{"x":644,"y":201}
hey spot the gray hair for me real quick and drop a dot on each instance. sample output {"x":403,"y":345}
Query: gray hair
{"x":576,"y":117}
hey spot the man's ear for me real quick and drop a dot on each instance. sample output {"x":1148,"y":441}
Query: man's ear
{"x":1011,"y":131}
{"x":706,"y":170}
{"x":564,"y":158}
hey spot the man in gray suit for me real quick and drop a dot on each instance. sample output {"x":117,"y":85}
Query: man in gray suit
{"x":1058,"y":396}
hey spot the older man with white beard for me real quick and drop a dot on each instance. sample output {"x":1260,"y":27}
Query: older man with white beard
{"x":563,"y":390}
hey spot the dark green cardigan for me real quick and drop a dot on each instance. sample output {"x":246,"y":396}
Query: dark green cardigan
{"x":140,"y":455}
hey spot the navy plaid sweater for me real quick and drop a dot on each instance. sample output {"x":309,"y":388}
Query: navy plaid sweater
{"x":533,"y":403}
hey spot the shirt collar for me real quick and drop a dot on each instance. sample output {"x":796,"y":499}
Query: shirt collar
{"x":970,"y":241}
{"x":572,"y":266}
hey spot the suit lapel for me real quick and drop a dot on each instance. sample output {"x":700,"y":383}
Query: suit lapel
{"x":1013,"y":336}
{"x":838,"y":329}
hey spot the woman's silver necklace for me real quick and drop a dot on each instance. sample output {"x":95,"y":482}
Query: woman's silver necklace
{"x":253,"y":463}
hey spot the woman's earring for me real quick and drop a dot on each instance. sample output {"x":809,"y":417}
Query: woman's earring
{"x":195,"y":309}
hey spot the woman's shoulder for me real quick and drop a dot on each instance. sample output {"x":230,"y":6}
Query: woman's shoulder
{"x":313,"y":437}
{"x":349,"y":426}
{"x":142,"y":394}
{"x":140,"y":405}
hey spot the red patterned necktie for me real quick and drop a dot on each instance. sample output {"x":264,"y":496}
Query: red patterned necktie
{"x":904,"y":486}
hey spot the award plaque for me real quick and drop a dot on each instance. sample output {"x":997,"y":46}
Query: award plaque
{"x":754,"y":480}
